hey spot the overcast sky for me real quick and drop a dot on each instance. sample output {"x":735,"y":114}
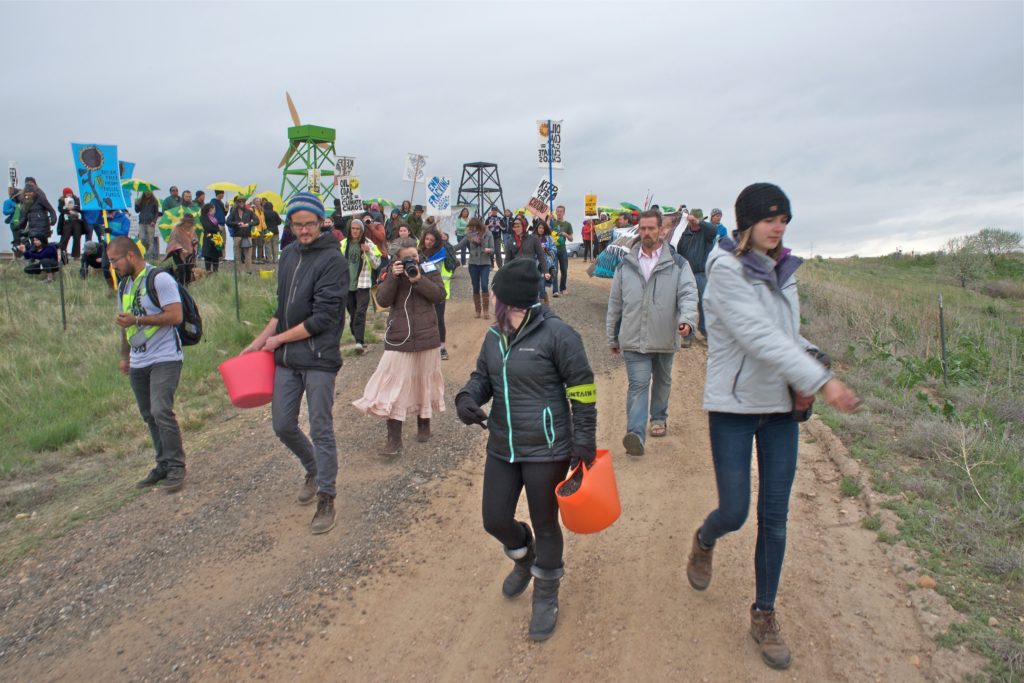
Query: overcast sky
{"x":887,"y":124}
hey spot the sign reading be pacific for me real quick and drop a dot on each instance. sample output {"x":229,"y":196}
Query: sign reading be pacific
{"x":99,"y":177}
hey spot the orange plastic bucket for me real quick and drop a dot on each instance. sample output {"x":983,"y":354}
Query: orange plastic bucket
{"x":595,"y":504}
{"x":249,"y":379}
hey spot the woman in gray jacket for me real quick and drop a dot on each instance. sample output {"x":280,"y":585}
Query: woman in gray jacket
{"x":481,"y":249}
{"x":760,"y":371}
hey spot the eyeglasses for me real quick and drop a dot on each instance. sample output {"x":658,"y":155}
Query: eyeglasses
{"x":114,"y":260}
{"x":308,"y":225}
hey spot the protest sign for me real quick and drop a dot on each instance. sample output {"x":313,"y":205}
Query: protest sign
{"x":555,"y":140}
{"x":313,"y":180}
{"x":99,"y":177}
{"x":348,"y":193}
{"x":343,"y":168}
{"x":590,"y":205}
{"x":12,"y":172}
{"x":415,"y":165}
{"x":603,"y":231}
{"x":544,"y":194}
{"x":128,"y":171}
{"x":439,"y":196}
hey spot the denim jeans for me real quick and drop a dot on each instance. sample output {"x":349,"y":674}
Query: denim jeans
{"x":479,"y":275}
{"x":154,"y":388}
{"x":641,"y":369}
{"x":498,"y":242}
{"x":320,"y":456}
{"x":562,"y":260}
{"x":702,"y":282}
{"x":731,"y":438}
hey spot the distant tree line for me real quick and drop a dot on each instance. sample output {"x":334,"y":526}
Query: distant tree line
{"x":970,"y":257}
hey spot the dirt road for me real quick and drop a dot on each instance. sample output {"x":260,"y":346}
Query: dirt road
{"x":224,"y":582}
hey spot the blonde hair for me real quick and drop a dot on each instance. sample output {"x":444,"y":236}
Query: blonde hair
{"x":744,"y":243}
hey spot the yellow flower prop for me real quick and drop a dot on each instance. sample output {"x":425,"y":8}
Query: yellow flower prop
{"x":354,"y":183}
{"x":218,"y":240}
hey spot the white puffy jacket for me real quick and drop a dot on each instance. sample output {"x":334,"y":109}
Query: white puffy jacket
{"x":755,"y":351}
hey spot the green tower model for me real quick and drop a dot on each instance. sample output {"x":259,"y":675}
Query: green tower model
{"x":309,"y":161}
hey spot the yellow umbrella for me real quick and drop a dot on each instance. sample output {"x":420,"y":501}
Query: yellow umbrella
{"x":226,"y":187}
{"x":274,"y":198}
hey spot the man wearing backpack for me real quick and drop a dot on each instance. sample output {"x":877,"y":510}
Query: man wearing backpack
{"x":149,"y":311}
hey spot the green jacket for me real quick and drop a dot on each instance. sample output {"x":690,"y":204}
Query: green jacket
{"x":415,"y":225}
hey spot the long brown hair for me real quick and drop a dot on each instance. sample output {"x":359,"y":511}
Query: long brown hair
{"x":438,"y":240}
{"x":475,"y":225}
{"x":745,"y":243}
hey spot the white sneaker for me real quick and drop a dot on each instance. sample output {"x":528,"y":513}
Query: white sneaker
{"x":360,"y":349}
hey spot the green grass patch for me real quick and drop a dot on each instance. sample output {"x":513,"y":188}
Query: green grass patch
{"x":871,"y":523}
{"x":849,"y":487}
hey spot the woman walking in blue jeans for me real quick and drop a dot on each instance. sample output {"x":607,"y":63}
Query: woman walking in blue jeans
{"x":480,"y":242}
{"x":760,"y":372}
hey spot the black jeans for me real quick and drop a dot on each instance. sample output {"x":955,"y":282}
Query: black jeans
{"x":588,"y":247}
{"x":503,"y":483}
{"x":498,"y":243}
{"x":356,"y":303}
{"x":154,"y":389}
{"x":439,"y":309}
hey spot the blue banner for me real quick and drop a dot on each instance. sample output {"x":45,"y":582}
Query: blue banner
{"x":127,"y":171}
{"x":99,"y":177}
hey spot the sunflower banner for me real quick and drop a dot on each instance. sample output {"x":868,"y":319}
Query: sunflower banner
{"x":99,"y":177}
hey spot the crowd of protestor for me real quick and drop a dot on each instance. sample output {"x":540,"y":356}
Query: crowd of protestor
{"x":733,"y":289}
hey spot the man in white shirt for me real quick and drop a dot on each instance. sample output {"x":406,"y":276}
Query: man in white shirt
{"x":653,"y":303}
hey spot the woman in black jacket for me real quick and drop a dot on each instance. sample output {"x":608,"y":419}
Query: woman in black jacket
{"x":543,"y":420}
{"x":525,"y":244}
{"x":212,"y":252}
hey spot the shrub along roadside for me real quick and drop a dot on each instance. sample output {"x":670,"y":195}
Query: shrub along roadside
{"x":949,"y":458}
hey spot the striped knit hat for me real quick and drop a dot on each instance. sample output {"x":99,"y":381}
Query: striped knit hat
{"x":306,"y":201}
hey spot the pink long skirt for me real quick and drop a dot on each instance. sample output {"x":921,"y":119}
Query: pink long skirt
{"x":404,"y":385}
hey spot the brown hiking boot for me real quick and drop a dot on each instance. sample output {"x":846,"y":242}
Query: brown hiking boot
{"x":422,"y":429}
{"x":324,"y":517}
{"x":393,"y":446}
{"x":766,"y":631}
{"x":308,"y":491}
{"x":476,"y":305}
{"x":698,"y":569}
{"x":485,"y":299}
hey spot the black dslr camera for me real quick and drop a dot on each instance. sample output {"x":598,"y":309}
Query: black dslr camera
{"x":411,"y":266}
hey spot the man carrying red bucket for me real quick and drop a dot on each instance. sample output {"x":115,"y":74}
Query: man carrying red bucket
{"x":544,"y":417}
{"x":304,"y":335}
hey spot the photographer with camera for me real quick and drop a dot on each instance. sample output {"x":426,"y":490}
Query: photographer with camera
{"x":408,"y":379}
{"x":42,"y":255}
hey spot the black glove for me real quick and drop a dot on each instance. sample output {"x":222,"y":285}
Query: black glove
{"x":469,"y":412}
{"x":582,"y":452}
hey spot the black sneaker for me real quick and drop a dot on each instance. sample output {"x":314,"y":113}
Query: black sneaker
{"x":444,"y":354}
{"x":155,"y":476}
{"x":174,"y":480}
{"x":633,"y":444}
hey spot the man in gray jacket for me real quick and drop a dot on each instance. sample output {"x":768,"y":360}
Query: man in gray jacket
{"x":653,"y":303}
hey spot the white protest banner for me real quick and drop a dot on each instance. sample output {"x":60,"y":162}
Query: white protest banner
{"x":343,"y":168}
{"x":546,"y":192}
{"x":415,"y":168}
{"x":12,"y":171}
{"x":439,"y":196}
{"x":555,"y":134}
{"x":348,"y":193}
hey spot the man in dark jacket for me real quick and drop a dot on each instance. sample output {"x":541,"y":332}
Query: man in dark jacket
{"x":304,"y":335}
{"x":415,"y":221}
{"x":37,"y":214}
{"x":698,"y":240}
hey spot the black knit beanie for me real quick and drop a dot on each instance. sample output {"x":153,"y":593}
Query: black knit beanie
{"x":517,"y":283}
{"x":760,"y":201}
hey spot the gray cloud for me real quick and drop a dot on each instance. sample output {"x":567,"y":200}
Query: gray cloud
{"x":887,"y":124}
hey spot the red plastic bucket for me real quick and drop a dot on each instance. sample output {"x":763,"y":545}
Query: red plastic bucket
{"x":249,"y":379}
{"x":595,"y":504}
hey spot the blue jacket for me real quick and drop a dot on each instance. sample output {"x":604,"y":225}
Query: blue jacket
{"x":48,"y":252}
{"x":9,"y":206}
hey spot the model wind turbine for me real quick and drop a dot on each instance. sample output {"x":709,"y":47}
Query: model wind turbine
{"x":309,"y":159}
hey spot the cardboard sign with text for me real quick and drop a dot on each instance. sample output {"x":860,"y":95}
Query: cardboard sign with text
{"x":439,"y":196}
{"x":552,"y":141}
{"x":348,"y":193}
{"x":590,"y":205}
{"x":538,"y":203}
{"x":415,"y":168}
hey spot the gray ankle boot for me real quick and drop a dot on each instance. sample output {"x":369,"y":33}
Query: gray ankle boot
{"x":545,"y":602}
{"x":519,"y":578}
